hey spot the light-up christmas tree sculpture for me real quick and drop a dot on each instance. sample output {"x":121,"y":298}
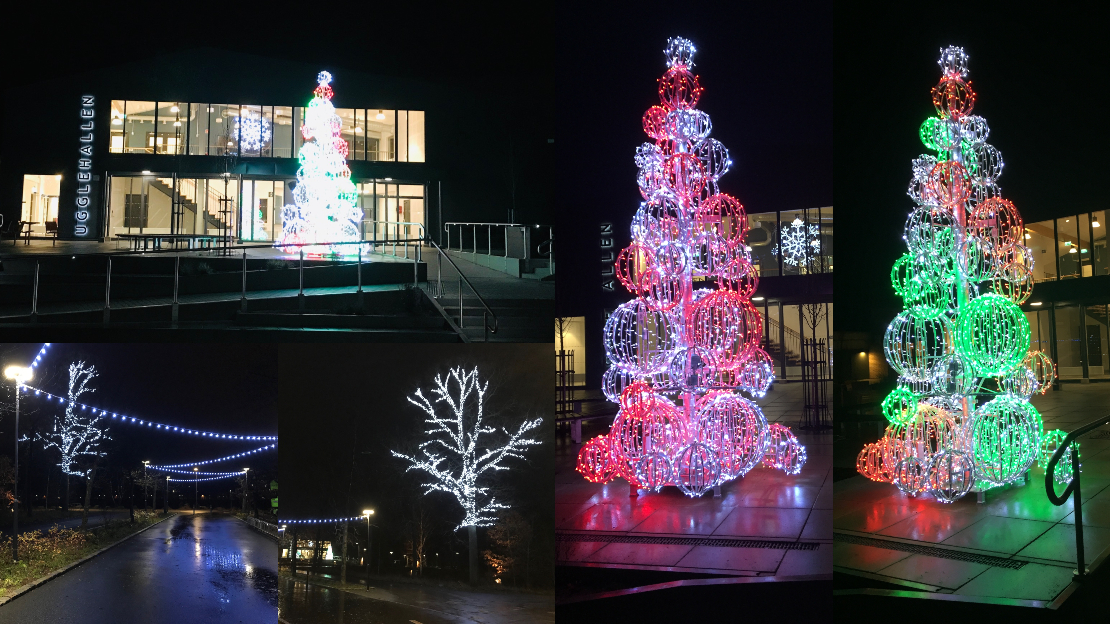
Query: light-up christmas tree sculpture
{"x":458,"y":454}
{"x":960,"y":417}
{"x":326,"y":201}
{"x":685,"y":349}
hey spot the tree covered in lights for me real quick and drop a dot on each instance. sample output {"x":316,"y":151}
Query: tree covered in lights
{"x":685,"y":357}
{"x":462,"y":451}
{"x":79,"y":434}
{"x":960,"y":418}
{"x":325,"y":206}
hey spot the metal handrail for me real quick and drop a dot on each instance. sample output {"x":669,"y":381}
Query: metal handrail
{"x":462,"y":279}
{"x":489,"y":233}
{"x":1073,"y":486}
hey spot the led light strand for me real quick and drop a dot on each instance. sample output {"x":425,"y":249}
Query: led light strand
{"x":220,"y":459}
{"x":194,"y":472}
{"x":960,"y":417}
{"x":78,"y":435}
{"x":199,"y":480}
{"x":153,"y":425}
{"x":685,"y":350}
{"x":38,"y":358}
{"x":458,"y":437}
{"x":322,"y":520}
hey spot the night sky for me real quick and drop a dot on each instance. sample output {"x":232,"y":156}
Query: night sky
{"x":213,"y":388}
{"x":344,"y":407}
{"x":1040,"y":84}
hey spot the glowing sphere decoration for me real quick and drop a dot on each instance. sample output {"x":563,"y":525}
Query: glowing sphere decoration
{"x":960,"y":417}
{"x":1050,"y":442}
{"x":685,"y":354}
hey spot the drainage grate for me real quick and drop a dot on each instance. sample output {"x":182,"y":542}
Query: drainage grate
{"x":685,"y":541}
{"x":932,"y":551}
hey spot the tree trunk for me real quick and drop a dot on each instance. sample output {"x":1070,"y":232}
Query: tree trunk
{"x":131,"y":495}
{"x":154,"y":501}
{"x":473,"y":533}
{"x":89,"y":474}
{"x":65,"y":500}
{"x":343,"y":568}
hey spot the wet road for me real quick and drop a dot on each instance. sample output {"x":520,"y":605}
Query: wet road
{"x":203,"y":568}
{"x":403,"y":603}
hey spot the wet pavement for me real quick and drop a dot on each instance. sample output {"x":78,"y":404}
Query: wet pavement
{"x":1016,"y":545}
{"x":766,"y":523}
{"x":310,"y":603}
{"x":202,"y":568}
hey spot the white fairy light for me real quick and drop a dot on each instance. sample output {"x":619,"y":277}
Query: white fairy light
{"x":79,"y":434}
{"x":321,"y":520}
{"x":457,"y":471}
{"x":219,"y":459}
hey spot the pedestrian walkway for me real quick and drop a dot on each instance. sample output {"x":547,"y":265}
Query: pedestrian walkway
{"x":1015,"y":546}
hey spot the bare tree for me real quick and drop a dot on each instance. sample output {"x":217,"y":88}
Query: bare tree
{"x":81,"y":431}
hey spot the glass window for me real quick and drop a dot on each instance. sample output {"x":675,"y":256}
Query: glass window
{"x":762,"y":232}
{"x":1067,"y":239}
{"x":1038,"y":237}
{"x":379,"y":134}
{"x":1069,"y":362}
{"x":267,"y":147}
{"x":198,"y":128}
{"x":171,"y":127}
{"x":823,"y":216}
{"x":298,"y":135}
{"x":115,"y":144}
{"x":402,"y":136}
{"x":138,"y":127}
{"x":40,"y":201}
{"x":283,"y":132}
{"x":416,"y":136}
{"x":1085,"y":268}
{"x":1100,"y":260}
{"x":1098,"y":341}
{"x":410,"y":205}
{"x":223,"y":135}
{"x":358,"y":146}
{"x":799,"y":244}
{"x":347,"y":129}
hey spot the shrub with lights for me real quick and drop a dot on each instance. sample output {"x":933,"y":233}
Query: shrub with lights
{"x":325,"y":208}
{"x":684,"y":353}
{"x":960,"y":418}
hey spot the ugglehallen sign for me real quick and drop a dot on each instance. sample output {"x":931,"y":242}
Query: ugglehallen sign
{"x":84,"y":167}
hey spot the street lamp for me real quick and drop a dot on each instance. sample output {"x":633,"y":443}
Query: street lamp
{"x":367,"y":513}
{"x":19,"y":374}
{"x":146,"y":463}
{"x":246,"y":486}
{"x":195,"y":497}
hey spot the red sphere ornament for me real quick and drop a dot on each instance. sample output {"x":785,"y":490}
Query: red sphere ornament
{"x":950,"y":183}
{"x":684,"y":175}
{"x":655,"y":123}
{"x":595,"y":462}
{"x":953,"y":98}
{"x":678,"y":89}
{"x":631,"y":264}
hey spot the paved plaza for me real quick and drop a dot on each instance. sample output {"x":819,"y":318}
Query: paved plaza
{"x":1016,"y":546}
{"x":767,"y":523}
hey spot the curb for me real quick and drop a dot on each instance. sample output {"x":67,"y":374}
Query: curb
{"x":56,"y":573}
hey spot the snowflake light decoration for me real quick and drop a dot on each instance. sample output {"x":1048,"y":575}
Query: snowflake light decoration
{"x":682,"y":352}
{"x":253,"y":133}
{"x":960,"y":418}
{"x":800,"y":242}
{"x":452,"y":457}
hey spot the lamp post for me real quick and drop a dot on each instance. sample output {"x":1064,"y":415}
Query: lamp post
{"x":246,"y":487}
{"x":367,"y":513}
{"x":19,"y":374}
{"x":196,"y":499}
{"x":146,"y":464}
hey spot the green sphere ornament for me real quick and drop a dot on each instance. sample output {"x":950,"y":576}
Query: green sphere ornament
{"x":993,"y":334}
{"x":1005,"y":439}
{"x":900,"y":406}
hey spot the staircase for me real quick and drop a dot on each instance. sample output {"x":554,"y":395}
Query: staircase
{"x":518,"y":320}
{"x":181,"y":198}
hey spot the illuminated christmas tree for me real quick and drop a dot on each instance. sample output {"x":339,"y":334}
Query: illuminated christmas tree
{"x":325,"y":209}
{"x":686,"y":350}
{"x":960,"y":417}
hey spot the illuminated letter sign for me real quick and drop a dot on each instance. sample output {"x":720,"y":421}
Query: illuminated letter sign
{"x":84,"y":166}
{"x":607,"y":257}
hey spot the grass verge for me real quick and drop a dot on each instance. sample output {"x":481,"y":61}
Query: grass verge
{"x":44,"y":552}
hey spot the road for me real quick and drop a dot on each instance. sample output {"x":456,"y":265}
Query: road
{"x":202,"y":568}
{"x":311,"y":603}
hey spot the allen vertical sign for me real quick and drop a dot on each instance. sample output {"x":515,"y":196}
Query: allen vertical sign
{"x":84,"y":166}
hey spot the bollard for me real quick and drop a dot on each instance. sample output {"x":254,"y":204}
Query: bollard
{"x":35,"y":295}
{"x":176,"y":273}
{"x":300,"y":276}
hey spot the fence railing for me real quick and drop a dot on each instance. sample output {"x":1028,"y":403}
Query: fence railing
{"x":476,"y":229}
{"x":487,"y":313}
{"x":1073,"y":489}
{"x":269,"y":528}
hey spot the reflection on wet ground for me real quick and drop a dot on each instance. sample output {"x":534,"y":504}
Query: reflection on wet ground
{"x":303,"y":603}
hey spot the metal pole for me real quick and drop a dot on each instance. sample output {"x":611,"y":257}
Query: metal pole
{"x":300,"y":274}
{"x":15,"y":483}
{"x":176,"y":273}
{"x":1081,"y":571}
{"x":35,"y":296}
{"x":506,"y":242}
{"x":460,"y":303}
{"x":360,"y":268}
{"x":108,"y":292}
{"x":243,"y":295}
{"x":489,"y":239}
{"x":475,"y":240}
{"x":367,"y":562}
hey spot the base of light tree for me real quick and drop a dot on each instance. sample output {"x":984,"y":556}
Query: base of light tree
{"x":472,"y":532}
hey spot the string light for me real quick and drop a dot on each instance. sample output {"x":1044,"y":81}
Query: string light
{"x":79,"y":435}
{"x":680,"y":357}
{"x":960,"y":418}
{"x":202,"y":479}
{"x":195,"y":472}
{"x":123,"y":418}
{"x":41,"y":353}
{"x":325,"y":200}
{"x":220,"y":459}
{"x":459,"y":439}
{"x":322,"y":520}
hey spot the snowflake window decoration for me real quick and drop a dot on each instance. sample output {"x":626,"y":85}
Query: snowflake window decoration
{"x":253,"y":133}
{"x":800,"y":242}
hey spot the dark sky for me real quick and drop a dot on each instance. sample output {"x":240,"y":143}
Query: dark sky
{"x":215,"y":388}
{"x":344,"y":407}
{"x":1041,"y":84}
